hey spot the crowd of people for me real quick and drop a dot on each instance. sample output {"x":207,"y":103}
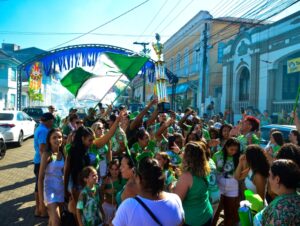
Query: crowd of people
{"x":116,"y":167}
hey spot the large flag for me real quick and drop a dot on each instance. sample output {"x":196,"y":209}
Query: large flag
{"x":95,"y":83}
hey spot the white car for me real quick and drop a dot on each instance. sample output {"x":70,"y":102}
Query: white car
{"x":2,"y":146}
{"x":16,"y":126}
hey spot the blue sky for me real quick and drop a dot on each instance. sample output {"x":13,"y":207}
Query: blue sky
{"x":80,"y":16}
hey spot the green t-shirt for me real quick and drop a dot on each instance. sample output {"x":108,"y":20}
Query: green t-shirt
{"x":56,"y":121}
{"x":136,"y":148}
{"x":89,"y":206}
{"x":119,"y":136}
{"x":196,"y":205}
{"x":213,"y":188}
{"x":66,"y":129}
{"x":206,"y":134}
{"x":226,"y":170}
{"x":170,"y":177}
{"x":94,"y":156}
{"x":244,"y":140}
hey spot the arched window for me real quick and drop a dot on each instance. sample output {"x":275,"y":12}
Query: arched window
{"x":244,"y":84}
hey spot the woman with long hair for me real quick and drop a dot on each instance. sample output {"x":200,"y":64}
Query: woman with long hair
{"x":254,"y":168}
{"x":51,"y":185}
{"x":226,"y":162}
{"x":83,"y":152}
{"x":224,"y":134}
{"x":276,"y":141}
{"x":127,"y":171}
{"x":192,"y":186}
{"x":166,"y":208}
{"x":111,"y":185}
{"x":104,"y":153}
{"x":294,"y":137}
{"x":164,"y":162}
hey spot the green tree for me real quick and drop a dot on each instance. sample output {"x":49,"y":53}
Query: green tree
{"x":34,"y":96}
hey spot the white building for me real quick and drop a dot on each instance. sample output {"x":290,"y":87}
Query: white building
{"x":258,"y":68}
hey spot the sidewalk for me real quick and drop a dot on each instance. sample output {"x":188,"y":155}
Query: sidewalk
{"x":17,"y":187}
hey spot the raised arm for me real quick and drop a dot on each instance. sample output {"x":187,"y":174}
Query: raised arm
{"x":296,"y":120}
{"x":181,"y":123}
{"x":137,"y":121}
{"x":100,"y":142}
{"x":241,"y":170}
{"x":152,"y":119}
{"x":163,"y":127}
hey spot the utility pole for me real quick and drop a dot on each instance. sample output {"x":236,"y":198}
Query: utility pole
{"x":204,"y":62}
{"x":202,"y":73}
{"x":145,"y":51}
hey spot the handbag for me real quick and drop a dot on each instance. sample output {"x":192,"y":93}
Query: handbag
{"x":67,"y":218}
{"x":148,"y":210}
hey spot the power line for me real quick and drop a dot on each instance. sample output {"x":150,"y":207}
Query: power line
{"x":186,"y":6}
{"x":168,"y":14}
{"x":153,"y":18}
{"x":255,"y":8}
{"x":102,"y":25}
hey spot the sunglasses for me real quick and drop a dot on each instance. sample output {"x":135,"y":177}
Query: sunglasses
{"x":79,"y":122}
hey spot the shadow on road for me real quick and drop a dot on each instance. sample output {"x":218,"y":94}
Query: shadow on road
{"x":12,"y":213}
{"x":18,"y":184}
{"x":17,"y":165}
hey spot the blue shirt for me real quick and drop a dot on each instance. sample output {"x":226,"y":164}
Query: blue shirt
{"x":40,"y":137}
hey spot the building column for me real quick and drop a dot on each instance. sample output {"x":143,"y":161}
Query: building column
{"x":271,"y":89}
{"x":254,"y":80}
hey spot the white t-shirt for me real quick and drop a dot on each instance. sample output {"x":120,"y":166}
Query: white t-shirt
{"x":168,"y":211}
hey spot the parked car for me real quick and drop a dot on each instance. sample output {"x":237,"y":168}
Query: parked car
{"x":265,"y":132}
{"x":2,"y":146}
{"x":16,"y":126}
{"x":36,"y":112}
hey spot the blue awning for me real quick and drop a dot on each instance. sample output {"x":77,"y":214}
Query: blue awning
{"x":180,"y":88}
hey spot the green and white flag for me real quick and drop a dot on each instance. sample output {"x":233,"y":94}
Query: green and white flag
{"x":111,"y":73}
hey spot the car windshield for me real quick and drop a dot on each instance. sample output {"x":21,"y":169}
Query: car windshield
{"x":265,"y":134}
{"x":35,"y":112}
{"x":6,"y":116}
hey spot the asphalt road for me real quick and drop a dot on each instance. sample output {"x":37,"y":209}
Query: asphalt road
{"x":17,"y":187}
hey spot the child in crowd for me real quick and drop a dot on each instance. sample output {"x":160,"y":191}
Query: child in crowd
{"x":89,"y":210}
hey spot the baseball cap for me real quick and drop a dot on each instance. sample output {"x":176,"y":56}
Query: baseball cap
{"x":47,"y":117}
{"x":217,"y":125}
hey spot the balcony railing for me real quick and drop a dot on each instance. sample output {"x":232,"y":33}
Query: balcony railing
{"x":278,"y":106}
{"x":241,"y":104}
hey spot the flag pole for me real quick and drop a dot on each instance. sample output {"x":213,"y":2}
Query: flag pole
{"x":121,"y":93}
{"x":108,"y":90}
